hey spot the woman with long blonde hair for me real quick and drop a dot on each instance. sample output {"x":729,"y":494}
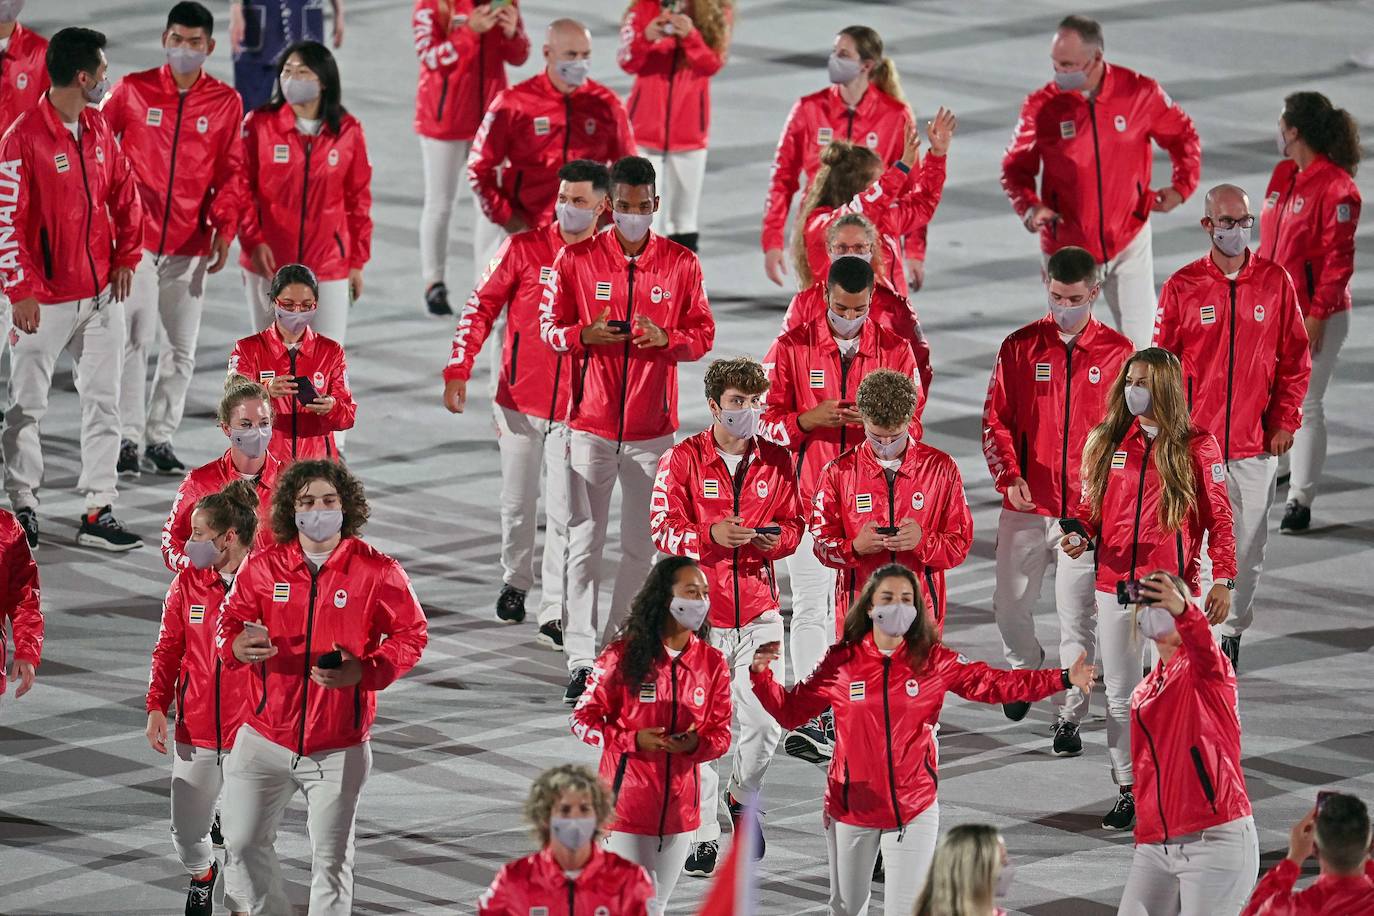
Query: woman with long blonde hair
{"x":969,"y":873}
{"x":1153,"y":486}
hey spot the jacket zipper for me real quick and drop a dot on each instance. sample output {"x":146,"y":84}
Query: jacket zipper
{"x":736,"y":483}
{"x":668,"y":106}
{"x":844,"y":393}
{"x":572,"y":896}
{"x":891,"y":478}
{"x":305,"y":688}
{"x":930,"y":591}
{"x":1139,"y":504}
{"x":567,"y":126}
{"x":305,"y":199}
{"x":849,"y":132}
{"x":1230,"y":375}
{"x":625,"y":374}
{"x":1064,"y":454}
{"x":1159,"y":781}
{"x":291,"y":355}
{"x":171,"y":176}
{"x":1097,"y":162}
{"x":85,"y":183}
{"x":668,"y":758}
{"x":891,"y":763}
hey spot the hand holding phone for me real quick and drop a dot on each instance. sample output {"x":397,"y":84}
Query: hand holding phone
{"x":620,"y":327}
{"x":768,"y":529}
{"x":887,"y":530}
{"x":305,"y":391}
{"x":330,"y":660}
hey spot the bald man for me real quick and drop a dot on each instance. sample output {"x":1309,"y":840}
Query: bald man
{"x":1232,"y":318}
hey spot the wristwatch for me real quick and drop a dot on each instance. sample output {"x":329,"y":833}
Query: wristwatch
{"x":1229,"y":583}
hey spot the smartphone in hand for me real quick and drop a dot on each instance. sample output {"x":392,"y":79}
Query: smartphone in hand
{"x":768,"y":529}
{"x":620,"y":327}
{"x":887,"y":530}
{"x":330,"y":660}
{"x":305,"y":390}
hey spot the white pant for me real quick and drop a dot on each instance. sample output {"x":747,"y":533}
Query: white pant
{"x":445,"y":166}
{"x":680,"y":177}
{"x":813,"y":608}
{"x":1120,"y":647}
{"x":597,"y":464}
{"x":533,"y":448}
{"x":258,"y":784}
{"x":331,"y":320}
{"x":196,"y":782}
{"x":906,"y":862}
{"x":1209,"y":874}
{"x":754,"y":733}
{"x":163,"y":306}
{"x":662,"y":858}
{"x":1309,"y":443}
{"x":92,"y":331}
{"x":1027,"y":545}
{"x":1250,"y":484}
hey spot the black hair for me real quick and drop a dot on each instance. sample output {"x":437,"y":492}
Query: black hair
{"x":851,"y":274}
{"x":192,"y":15}
{"x":587,"y":170}
{"x":1328,"y":130}
{"x":1073,"y":265}
{"x":1343,"y":832}
{"x":635,"y":171}
{"x":72,"y":51}
{"x":1087,"y":28}
{"x":293,"y":273}
{"x":642,"y":631}
{"x":322,"y":63}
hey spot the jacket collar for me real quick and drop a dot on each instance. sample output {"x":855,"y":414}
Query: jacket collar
{"x":607,"y":239}
{"x":705,"y":444}
{"x":169,"y":83}
{"x":868,"y":462}
{"x":553,"y":873}
{"x":824,"y":336}
{"x":1214,"y":272}
{"x":1049,"y":330}
{"x":866,"y":104}
{"x":295,"y":556}
{"x":54,"y":120}
{"x":271,"y":467}
{"x":277,"y":347}
{"x":1318,"y":167}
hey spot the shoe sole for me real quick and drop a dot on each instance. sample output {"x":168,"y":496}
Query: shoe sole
{"x":697,"y":872}
{"x":571,"y":701}
{"x":804,"y":748}
{"x":89,"y":540}
{"x":520,"y":619}
{"x":548,"y":643}
{"x":131,"y":475}
{"x":1107,"y":826}
{"x":1077,"y":753}
{"x":1294,"y":530}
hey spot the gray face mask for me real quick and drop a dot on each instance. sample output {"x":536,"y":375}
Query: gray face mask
{"x":1137,"y":400}
{"x":1282,"y":144}
{"x":845,"y":328}
{"x":252,"y":442}
{"x":202,"y":554}
{"x":572,"y":833}
{"x":843,"y":69}
{"x":295,"y":322}
{"x":573,"y":72}
{"x":890,"y":450}
{"x":320,"y":524}
{"x":10,"y":10}
{"x":574,"y":220}
{"x":894,"y":619}
{"x":1155,"y":622}
{"x":299,"y":92}
{"x":634,"y":226}
{"x":1071,"y":80}
{"x":185,"y":61}
{"x":691,"y":614}
{"x":97,"y":93}
{"x":742,"y":423}
{"x":1069,"y":317}
{"x":1231,"y":242}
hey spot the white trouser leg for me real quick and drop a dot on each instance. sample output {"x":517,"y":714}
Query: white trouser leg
{"x":1119,"y":647}
{"x":1309,"y":443}
{"x":444,"y":163}
{"x":1129,"y":288}
{"x":1021,"y":560}
{"x":1211,"y":875}
{"x":332,"y":783}
{"x":197,"y":778}
{"x":681,"y":175}
{"x":258,"y":784}
{"x":141,"y":320}
{"x":592,"y":477}
{"x":257,"y":294}
{"x":1151,"y":887}
{"x":906,"y":862}
{"x":1250,"y":484}
{"x":97,"y":348}
{"x":1075,"y":598}
{"x":661,"y":857}
{"x":813,"y":598}
{"x":32,"y":359}
{"x":638,"y":465}
{"x":181,"y":295}
{"x":553,"y":566}
{"x":520,"y":441}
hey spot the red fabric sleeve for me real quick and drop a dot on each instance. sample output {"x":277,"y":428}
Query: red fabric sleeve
{"x":691,"y":338}
{"x":915,"y":205}
{"x":358,"y":203}
{"x":713,"y":730}
{"x":1214,"y":505}
{"x":999,"y":445}
{"x":1174,"y":132}
{"x":701,"y":57}
{"x":595,"y":719}
{"x":399,"y":623}
{"x":345,"y":411}
{"x":251,"y":591}
{"x":560,"y":322}
{"x":673,"y":530}
{"x":167,"y":652}
{"x":1168,"y":321}
{"x":1204,"y":654}
{"x":487,"y":154}
{"x":489,"y":298}
{"x":250,"y":229}
{"x":785,"y":179}
{"x":176,"y":531}
{"x":515,"y":50}
{"x":126,"y":211}
{"x":634,"y":48}
{"x":780,"y":410}
{"x":787,"y":515}
{"x":805,"y":700}
{"x":1274,"y":895}
{"x":230,"y":196}
{"x":439,"y":49}
{"x":1340,"y":217}
{"x":982,"y":683}
{"x":21,"y":599}
{"x":948,"y":533}
{"x":496,"y":899}
{"x":1021,"y":161}
{"x":832,"y":546}
{"x":19,"y":269}
{"x":1294,"y":369}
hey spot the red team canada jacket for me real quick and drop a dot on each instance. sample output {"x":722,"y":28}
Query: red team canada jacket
{"x":1308,"y":227}
{"x":607,"y":886}
{"x":460,"y":70}
{"x":309,"y":199}
{"x":186,"y":154}
{"x":1044,"y":398}
{"x":1130,"y":541}
{"x":536,"y":130}
{"x":657,"y":793}
{"x":854,"y":490}
{"x":1243,"y":348}
{"x":1185,"y":740}
{"x":211,"y":478}
{"x":888,"y":309}
{"x":69,"y":211}
{"x":1329,"y":895}
{"x":534,"y":379}
{"x":1093,"y":158}
{"x":883,"y":774}
{"x":361,"y":599}
{"x":211,"y":700}
{"x":622,"y":392}
{"x":24,"y":76}
{"x":671,"y":96}
{"x":694,"y":489}
{"x":296,"y":432}
{"x":18,"y":597}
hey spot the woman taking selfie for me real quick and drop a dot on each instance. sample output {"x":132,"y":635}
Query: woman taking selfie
{"x":658,"y":705}
{"x":568,"y":807}
{"x":1153,"y":485}
{"x":886,"y":680}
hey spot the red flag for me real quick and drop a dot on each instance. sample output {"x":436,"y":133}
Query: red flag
{"x":733,"y":893}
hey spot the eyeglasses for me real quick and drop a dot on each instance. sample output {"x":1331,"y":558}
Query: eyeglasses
{"x":292,"y":305}
{"x":1225,"y":222}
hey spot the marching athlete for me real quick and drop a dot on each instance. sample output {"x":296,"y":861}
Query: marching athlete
{"x":260,"y":31}
{"x":1337,"y":831}
{"x":26,"y":72}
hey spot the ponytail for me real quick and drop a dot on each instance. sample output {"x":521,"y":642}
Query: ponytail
{"x":870,"y":47}
{"x":236,"y":507}
{"x":884,"y":76}
{"x":846,"y":169}
{"x":1327,"y":130}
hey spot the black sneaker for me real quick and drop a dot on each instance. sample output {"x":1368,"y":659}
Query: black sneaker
{"x":198,"y":896}
{"x":28,"y":520}
{"x":577,"y":685}
{"x":127,"y":465}
{"x":1296,"y":518}
{"x":105,"y":531}
{"x":808,"y":742}
{"x":1230,"y":647}
{"x":1067,"y":742}
{"x":1015,"y":711}
{"x":551,"y":635}
{"x":1282,"y":479}
{"x":879,"y":873}
{"x":436,"y":300}
{"x":216,"y":835}
{"x":510,"y":605}
{"x":702,"y":862}
{"x":1122,"y":815}
{"x":736,"y":809}
{"x":160,"y":459}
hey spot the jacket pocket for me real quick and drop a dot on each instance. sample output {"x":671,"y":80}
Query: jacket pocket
{"x":514,"y":355}
{"x":443,"y":97}
{"x":181,"y":700}
{"x":844,"y":788}
{"x":1025,"y":454}
{"x":46,"y":245}
{"x":1190,"y":393}
{"x":1307,"y":274}
{"x":1142,"y":203}
{"x":339,"y":241}
{"x":1202,"y":777}
{"x":357,"y":707}
{"x":620,"y":773}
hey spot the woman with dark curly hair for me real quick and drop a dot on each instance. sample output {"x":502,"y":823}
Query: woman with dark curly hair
{"x":658,"y":704}
{"x":326,"y":621}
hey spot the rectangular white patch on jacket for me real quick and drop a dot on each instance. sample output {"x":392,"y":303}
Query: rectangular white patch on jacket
{"x":817,"y":377}
{"x":1067,"y":131}
{"x":1208,"y":314}
{"x":541,"y":126}
{"x":1042,"y":372}
{"x":197,"y":613}
{"x":857,"y":690}
{"x":281,"y":153}
{"x":710,"y":488}
{"x":648,"y":693}
{"x":154,"y":118}
{"x":1118,"y":460}
{"x":281,"y":592}
{"x":603,"y":291}
{"x":863,"y":502}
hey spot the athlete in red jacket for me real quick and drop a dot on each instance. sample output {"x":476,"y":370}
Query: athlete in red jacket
{"x":1185,"y":741}
{"x":69,"y":242}
{"x":463,"y":49}
{"x":179,"y":126}
{"x":211,"y":701}
{"x":18,"y":604}
{"x":25,"y":77}
{"x":289,"y":351}
{"x":531,"y":394}
{"x":1337,"y":831}
{"x":886,"y":679}
{"x":657,"y":705}
{"x":1311,"y":212}
{"x":1048,"y":389}
{"x":1232,"y":318}
{"x":673,"y":50}
{"x":326,"y":621}
{"x":1089,"y":136}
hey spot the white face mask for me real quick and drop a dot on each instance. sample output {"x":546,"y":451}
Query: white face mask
{"x":690,"y":613}
{"x":1071,"y":80}
{"x":299,"y":92}
{"x":572,"y":833}
{"x":742,"y":423}
{"x":1069,"y":317}
{"x":202,"y":554}
{"x":1137,"y":400}
{"x":634,"y":226}
{"x":1231,"y":242}
{"x":1001,"y":889}
{"x":893,"y":619}
{"x":96,"y":93}
{"x":1282,"y":144}
{"x":845,"y":328}
{"x":843,"y":69}
{"x":1155,"y":622}
{"x":252,"y":442}
{"x":10,"y":10}
{"x":185,"y":61}
{"x":573,"y":219}
{"x":320,"y":525}
{"x":890,"y":450}
{"x":573,"y":72}
{"x":866,"y":257}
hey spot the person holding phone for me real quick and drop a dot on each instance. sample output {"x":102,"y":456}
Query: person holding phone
{"x":1048,"y":388}
{"x":814,"y":371}
{"x":886,"y":679}
{"x":308,"y":190}
{"x":321,"y":590}
{"x":728,"y":499}
{"x":673,"y":48}
{"x":1337,"y":832}
{"x":1196,"y":849}
{"x":658,"y":706}
{"x":245,"y":418}
{"x":569,"y":808}
{"x":303,"y":371}
{"x":211,"y":699}
{"x":1152,"y":486}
